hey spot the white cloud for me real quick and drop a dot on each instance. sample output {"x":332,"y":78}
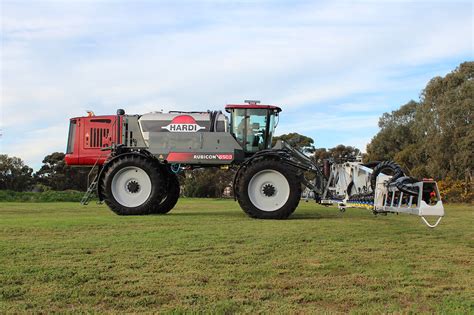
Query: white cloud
{"x":358,"y":142}
{"x":321,"y":121}
{"x":61,"y":58}
{"x":354,"y":107}
{"x":33,"y":145}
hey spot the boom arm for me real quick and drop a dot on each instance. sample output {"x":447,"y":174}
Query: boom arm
{"x":353,"y":184}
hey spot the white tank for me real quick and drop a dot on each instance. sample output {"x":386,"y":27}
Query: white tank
{"x":211,"y":121}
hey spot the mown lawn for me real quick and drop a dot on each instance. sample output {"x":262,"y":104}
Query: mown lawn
{"x":206,"y":255}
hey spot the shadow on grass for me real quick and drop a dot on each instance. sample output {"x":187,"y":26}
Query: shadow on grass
{"x":241,"y":215}
{"x":198,"y":213}
{"x":315,"y":216}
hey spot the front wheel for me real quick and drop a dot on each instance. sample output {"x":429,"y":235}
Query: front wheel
{"x":269,"y":189}
{"x":133,"y":185}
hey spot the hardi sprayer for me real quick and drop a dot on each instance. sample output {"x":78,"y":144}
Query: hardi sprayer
{"x":137,"y":158}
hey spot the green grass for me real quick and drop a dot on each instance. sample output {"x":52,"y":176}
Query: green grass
{"x":206,"y":255}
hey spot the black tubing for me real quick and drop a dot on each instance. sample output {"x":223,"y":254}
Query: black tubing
{"x":405,"y":185}
{"x":388,"y":168}
{"x":349,"y":188}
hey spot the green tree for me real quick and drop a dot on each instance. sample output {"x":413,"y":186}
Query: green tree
{"x":298,"y":141}
{"x":207,"y":182}
{"x":56,"y":174}
{"x":396,"y":133}
{"x":433,"y":137}
{"x":339,"y":153}
{"x":14,"y":174}
{"x":344,"y":153}
{"x":321,"y":154}
{"x":444,"y":123}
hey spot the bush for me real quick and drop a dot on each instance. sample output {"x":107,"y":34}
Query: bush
{"x":46,"y":196}
{"x":452,"y":190}
{"x":38,"y":187}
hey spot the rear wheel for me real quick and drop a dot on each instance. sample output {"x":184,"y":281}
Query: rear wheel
{"x":171,"y":197}
{"x":133,"y":185}
{"x":269,"y":189}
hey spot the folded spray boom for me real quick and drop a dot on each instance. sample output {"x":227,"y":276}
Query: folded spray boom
{"x":383,"y":189}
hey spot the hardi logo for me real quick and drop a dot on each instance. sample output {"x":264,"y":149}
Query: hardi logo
{"x":183,"y":123}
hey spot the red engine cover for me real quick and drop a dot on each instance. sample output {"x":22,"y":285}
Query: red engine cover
{"x":87,"y":136}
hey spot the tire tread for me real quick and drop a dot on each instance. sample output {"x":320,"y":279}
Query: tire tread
{"x":155,"y":175}
{"x":265,"y":163}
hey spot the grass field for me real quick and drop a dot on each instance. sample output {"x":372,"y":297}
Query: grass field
{"x":206,"y":255}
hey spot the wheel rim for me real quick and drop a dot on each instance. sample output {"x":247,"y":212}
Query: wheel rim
{"x":131,"y":186}
{"x":269,"y":190}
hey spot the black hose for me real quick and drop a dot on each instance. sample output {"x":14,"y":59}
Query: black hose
{"x":406,"y":185}
{"x":211,"y":120}
{"x":213,"y":115}
{"x":349,"y":188}
{"x":388,"y":168}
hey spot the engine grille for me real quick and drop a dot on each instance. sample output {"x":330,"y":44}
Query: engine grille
{"x":99,"y":137}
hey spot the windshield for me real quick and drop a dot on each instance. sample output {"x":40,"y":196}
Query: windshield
{"x":253,"y":128}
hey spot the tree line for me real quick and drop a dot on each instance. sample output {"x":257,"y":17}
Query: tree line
{"x":434,"y":137}
{"x":54,"y":174}
{"x":430,"y":137}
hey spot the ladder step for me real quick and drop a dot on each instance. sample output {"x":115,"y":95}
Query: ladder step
{"x":89,"y":193}
{"x":93,"y":185}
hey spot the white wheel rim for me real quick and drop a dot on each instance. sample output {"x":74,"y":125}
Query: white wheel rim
{"x":131,"y":186}
{"x":269,"y":190}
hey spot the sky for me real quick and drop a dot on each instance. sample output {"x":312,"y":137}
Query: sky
{"x":333,"y":66}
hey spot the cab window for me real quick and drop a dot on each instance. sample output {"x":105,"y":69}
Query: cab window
{"x":71,"y":137}
{"x":257,"y":125}
{"x":249,"y":127}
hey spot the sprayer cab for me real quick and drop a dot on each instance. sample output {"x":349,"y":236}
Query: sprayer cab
{"x":253,"y":125}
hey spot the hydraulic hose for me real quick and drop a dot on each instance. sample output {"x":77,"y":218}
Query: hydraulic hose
{"x":406,"y":185}
{"x":388,"y":168}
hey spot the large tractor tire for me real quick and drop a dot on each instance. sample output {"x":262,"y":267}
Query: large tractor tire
{"x":387,"y":168}
{"x":133,"y":185}
{"x":268,"y":189}
{"x":171,"y":197}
